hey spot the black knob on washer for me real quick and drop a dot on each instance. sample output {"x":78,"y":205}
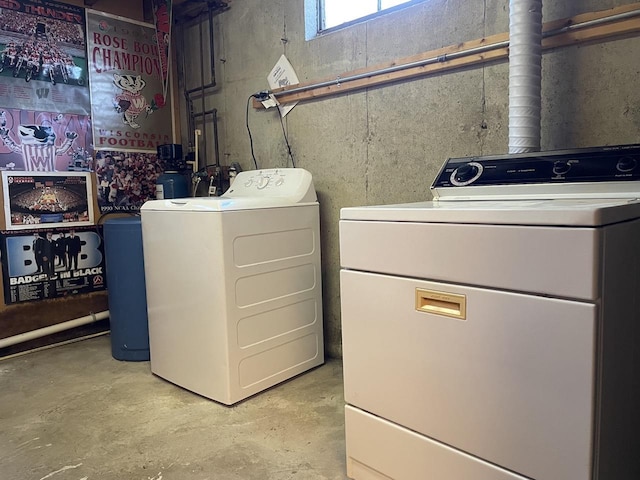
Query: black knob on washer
{"x":626,"y":164}
{"x":561,"y":167}
{"x":465,"y":173}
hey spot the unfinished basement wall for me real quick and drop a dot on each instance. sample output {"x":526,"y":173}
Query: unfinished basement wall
{"x":385,"y":145}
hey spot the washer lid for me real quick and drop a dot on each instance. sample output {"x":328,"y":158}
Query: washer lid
{"x":565,"y":212}
{"x":217,"y":204}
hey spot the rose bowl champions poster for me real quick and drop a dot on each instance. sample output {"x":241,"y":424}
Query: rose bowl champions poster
{"x":127,"y":88}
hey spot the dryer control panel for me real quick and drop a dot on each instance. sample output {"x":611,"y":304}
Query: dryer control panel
{"x":599,"y":165}
{"x":602,"y":164}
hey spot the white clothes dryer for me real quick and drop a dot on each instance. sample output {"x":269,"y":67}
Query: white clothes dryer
{"x":494,"y":333}
{"x":234,"y":293}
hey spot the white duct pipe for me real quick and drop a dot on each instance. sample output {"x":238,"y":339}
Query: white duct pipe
{"x":525,"y":75}
{"x":58,"y":327}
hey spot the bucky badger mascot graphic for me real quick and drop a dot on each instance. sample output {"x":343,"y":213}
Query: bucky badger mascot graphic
{"x":130,"y":102}
{"x":37,"y":145}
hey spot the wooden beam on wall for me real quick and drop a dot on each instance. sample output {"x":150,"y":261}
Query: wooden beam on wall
{"x":556,"y":38}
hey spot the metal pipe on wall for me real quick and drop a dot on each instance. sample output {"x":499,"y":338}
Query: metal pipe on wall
{"x":197,"y":117}
{"x":396,"y":68}
{"x":443,"y":58}
{"x":50,"y":330}
{"x":202,"y":89}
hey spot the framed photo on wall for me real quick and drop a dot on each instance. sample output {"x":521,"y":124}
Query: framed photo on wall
{"x":47,"y":199}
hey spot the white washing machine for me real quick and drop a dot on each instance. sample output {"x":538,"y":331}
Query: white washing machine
{"x":234,"y":293}
{"x":493,"y":334}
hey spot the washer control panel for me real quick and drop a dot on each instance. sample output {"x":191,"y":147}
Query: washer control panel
{"x":266,"y":178}
{"x":293,"y":183}
{"x":601,"y":164}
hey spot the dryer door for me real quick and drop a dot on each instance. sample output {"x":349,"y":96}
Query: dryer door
{"x":505,"y":377}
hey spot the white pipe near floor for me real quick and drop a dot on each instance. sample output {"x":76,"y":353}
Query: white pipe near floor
{"x":58,"y":327}
{"x":525,"y":75}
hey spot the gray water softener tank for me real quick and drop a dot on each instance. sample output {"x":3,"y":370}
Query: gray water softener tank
{"x":126,"y":288}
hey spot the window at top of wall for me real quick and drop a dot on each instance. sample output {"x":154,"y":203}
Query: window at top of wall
{"x":324,"y":16}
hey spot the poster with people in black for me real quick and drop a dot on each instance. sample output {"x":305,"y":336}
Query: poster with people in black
{"x":51,"y":263}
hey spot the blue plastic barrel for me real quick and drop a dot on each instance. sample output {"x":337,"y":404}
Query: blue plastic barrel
{"x":126,"y":289}
{"x":171,"y":184}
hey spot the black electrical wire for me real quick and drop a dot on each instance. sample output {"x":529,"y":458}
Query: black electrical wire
{"x":249,"y":130}
{"x":284,"y":133}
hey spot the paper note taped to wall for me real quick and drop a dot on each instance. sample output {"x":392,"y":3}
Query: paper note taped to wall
{"x":283,"y":75}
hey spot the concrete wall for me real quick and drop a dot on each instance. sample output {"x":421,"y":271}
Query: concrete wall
{"x":386,"y":144}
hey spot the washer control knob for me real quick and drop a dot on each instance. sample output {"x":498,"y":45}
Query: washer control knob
{"x":626,"y":164}
{"x":248,"y":183}
{"x":561,"y":167}
{"x":262,"y":182}
{"x":466,"y":174}
{"x":280,"y":181}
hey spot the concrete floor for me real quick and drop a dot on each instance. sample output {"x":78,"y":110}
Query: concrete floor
{"x":74,"y":413}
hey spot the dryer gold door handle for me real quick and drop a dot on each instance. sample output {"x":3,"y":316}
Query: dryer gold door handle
{"x":441,"y":303}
